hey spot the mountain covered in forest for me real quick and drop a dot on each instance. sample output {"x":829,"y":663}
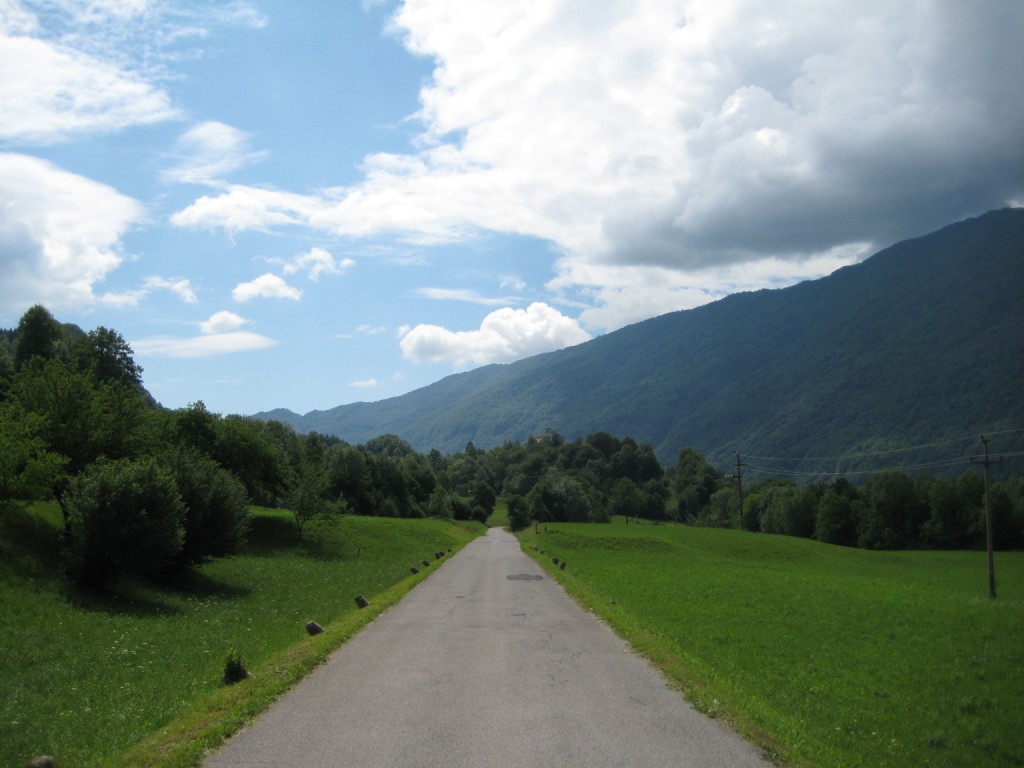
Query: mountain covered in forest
{"x":922,"y":342}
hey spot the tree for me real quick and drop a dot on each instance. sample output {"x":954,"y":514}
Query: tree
{"x":693,"y":480}
{"x":306,"y":500}
{"x":195,"y":427}
{"x":28,"y":469}
{"x":125,"y":517}
{"x":722,"y":510}
{"x":484,"y":498}
{"x":80,"y":418}
{"x":440,"y":503}
{"x":892,"y":514}
{"x":109,"y":357}
{"x":626,"y":499}
{"x":348,"y":474}
{"x":216,"y":506}
{"x":955,"y":510}
{"x":6,"y":370}
{"x":241,"y":445}
{"x":37,"y":334}
{"x":783,"y":510}
{"x":518,"y":513}
{"x":558,"y":497}
{"x":389,"y":445}
{"x":655,"y":498}
{"x":836,"y":521}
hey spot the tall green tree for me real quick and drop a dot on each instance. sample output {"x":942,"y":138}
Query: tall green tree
{"x":109,"y":357}
{"x":892,"y":513}
{"x":37,"y":334}
{"x":836,"y":516}
{"x":28,"y":469}
{"x":693,"y":481}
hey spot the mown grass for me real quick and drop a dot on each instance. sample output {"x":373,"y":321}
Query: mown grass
{"x":825,"y":656}
{"x":133,"y":677}
{"x":499,"y":517}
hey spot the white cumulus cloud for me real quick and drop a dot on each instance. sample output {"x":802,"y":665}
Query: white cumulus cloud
{"x":60,"y":233}
{"x":267,"y":286}
{"x":684,"y":135}
{"x":222,"y":322}
{"x":504,"y":335}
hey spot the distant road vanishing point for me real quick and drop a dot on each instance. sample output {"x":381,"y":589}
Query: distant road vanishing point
{"x":486,"y":663}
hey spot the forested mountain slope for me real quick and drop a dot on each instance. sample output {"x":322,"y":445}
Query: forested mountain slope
{"x":923,"y":341}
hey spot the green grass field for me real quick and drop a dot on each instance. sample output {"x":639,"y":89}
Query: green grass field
{"x":89,"y":677}
{"x":823,"y":655}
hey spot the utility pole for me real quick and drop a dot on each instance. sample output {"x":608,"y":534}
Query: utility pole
{"x":739,"y":485}
{"x":985,"y":461}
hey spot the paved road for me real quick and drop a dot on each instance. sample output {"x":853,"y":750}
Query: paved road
{"x":486,"y":663}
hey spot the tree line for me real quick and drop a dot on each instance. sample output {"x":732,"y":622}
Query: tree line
{"x":146,"y":490}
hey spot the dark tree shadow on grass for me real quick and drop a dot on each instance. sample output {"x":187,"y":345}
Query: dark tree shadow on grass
{"x":29,"y":544}
{"x":123,"y":597}
{"x":268,"y":535}
{"x":192,"y":582}
{"x":321,"y":539}
{"x":138,"y":598}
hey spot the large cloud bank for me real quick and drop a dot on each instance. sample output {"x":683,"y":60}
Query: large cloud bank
{"x":665,"y":144}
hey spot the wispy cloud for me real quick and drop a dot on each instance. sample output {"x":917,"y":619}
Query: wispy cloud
{"x":460,"y":294}
{"x":181,"y":288}
{"x":51,"y":92}
{"x":316,"y":262}
{"x":201,"y":346}
{"x":219,"y":335}
{"x":364,"y":384}
{"x":209,"y":152}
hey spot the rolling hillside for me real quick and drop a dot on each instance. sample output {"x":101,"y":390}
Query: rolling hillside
{"x":923,"y":341}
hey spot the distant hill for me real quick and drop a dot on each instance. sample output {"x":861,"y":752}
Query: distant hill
{"x":923,"y":341}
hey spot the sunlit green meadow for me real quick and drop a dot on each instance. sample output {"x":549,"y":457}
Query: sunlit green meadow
{"x":86,"y":677}
{"x":825,"y":656}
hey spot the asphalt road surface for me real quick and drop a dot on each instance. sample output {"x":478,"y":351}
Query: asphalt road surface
{"x":486,"y":663}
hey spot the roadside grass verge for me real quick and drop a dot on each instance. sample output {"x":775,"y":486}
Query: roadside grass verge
{"x":824,"y":656}
{"x":132,"y":677}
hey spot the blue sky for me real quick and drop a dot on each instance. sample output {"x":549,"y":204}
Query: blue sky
{"x":307,"y":203}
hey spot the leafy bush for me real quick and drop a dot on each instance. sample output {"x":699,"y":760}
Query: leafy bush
{"x":124,"y":517}
{"x":234,"y":668}
{"x":518,"y":513}
{"x":217,"y":507}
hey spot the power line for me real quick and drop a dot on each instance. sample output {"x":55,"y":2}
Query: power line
{"x":867,"y":454}
{"x":846,"y":472}
{"x":938,"y":463}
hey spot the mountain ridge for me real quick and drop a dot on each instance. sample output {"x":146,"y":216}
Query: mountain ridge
{"x":921,"y":341}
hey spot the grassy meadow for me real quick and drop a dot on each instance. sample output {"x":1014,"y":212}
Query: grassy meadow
{"x":823,"y":655}
{"x":133,"y":677}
